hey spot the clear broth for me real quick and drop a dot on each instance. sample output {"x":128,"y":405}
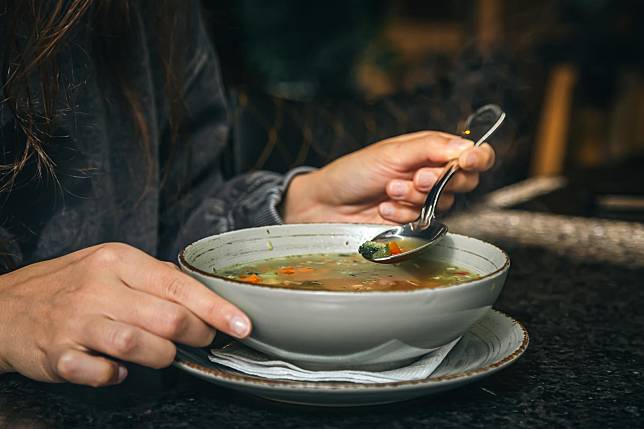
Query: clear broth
{"x":347,"y":272}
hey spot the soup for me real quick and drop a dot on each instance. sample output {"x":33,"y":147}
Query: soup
{"x":347,"y":272}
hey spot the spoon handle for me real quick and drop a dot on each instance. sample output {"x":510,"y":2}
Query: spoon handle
{"x":429,"y":208}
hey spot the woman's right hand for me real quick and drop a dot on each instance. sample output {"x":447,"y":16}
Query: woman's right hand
{"x":73,"y":318}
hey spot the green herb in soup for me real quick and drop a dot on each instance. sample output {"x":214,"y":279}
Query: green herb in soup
{"x":374,"y":250}
{"x":347,"y":272}
{"x":382,"y":248}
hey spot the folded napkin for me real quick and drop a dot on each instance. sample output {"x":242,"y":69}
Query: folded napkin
{"x":249,"y":361}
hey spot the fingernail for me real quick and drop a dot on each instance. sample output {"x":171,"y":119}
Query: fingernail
{"x":459,"y":145}
{"x":397,"y":188}
{"x":386,"y":210}
{"x":426,"y":179}
{"x":470,"y":160}
{"x":122,"y":374}
{"x":239,"y":326}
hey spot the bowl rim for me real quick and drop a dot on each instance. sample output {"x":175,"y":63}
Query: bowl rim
{"x":183,"y":262}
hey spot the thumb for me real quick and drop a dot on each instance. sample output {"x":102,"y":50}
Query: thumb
{"x":428,"y":150}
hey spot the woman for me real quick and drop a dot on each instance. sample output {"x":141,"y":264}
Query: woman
{"x":112,"y":122}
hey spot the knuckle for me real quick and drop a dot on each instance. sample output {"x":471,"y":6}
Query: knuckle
{"x":124,"y":341}
{"x":175,"y":288}
{"x":105,"y":255}
{"x":397,"y":146}
{"x":171,"y":265}
{"x":175,"y":323}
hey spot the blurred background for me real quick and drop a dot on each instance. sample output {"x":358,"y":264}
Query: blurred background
{"x":311,"y":81}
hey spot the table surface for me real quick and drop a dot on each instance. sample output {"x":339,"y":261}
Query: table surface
{"x":577,"y":284}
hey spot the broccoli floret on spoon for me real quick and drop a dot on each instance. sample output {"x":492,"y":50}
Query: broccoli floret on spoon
{"x":374,"y":250}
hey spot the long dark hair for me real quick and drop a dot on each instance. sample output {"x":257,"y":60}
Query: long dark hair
{"x":32,"y":87}
{"x":35,"y":31}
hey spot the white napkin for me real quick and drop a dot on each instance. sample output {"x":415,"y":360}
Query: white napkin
{"x":249,"y":361}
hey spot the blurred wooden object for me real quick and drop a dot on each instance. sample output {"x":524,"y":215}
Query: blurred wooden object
{"x":626,"y":127}
{"x":489,"y":24}
{"x":552,"y":133}
{"x":590,"y":136}
{"x":414,"y":40}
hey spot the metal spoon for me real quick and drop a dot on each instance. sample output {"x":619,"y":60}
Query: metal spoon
{"x":427,"y":230}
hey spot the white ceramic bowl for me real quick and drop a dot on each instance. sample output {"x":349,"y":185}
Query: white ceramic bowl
{"x":366,"y":330}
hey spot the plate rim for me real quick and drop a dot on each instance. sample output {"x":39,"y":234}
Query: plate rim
{"x":224,"y":377}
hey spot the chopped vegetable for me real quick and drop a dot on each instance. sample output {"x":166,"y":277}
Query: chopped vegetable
{"x":252,"y":278}
{"x":373,"y":249}
{"x":287,"y":270}
{"x":394,"y":248}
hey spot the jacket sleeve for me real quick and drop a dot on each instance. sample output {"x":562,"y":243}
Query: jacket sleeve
{"x":195,"y":200}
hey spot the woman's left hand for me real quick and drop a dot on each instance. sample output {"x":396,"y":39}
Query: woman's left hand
{"x":385,"y":182}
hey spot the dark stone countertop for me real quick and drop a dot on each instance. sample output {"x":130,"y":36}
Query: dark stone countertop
{"x":577,"y":284}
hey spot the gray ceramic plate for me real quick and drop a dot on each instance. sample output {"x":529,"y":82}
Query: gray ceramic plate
{"x":491,"y":344}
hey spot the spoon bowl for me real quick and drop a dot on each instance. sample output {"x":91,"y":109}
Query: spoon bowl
{"x":411,"y":240}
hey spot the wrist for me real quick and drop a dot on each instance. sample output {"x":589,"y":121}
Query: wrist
{"x":302,"y":202}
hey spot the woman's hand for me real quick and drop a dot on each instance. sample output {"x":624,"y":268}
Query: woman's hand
{"x":73,"y":318}
{"x":387,"y":181}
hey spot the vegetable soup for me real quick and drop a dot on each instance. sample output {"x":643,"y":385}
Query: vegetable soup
{"x":347,"y":272}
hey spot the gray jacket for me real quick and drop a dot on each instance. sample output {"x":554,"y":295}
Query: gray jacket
{"x":103,"y":194}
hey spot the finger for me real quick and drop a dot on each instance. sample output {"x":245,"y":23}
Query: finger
{"x":160,"y":317}
{"x":144,"y":273}
{"x":445,"y":201}
{"x":127,"y":342}
{"x":477,"y":159}
{"x":396,"y":212}
{"x":80,"y":367}
{"x":423,"y":134}
{"x":404,"y":190}
{"x":428,"y":149}
{"x":463,"y":181}
{"x":425,"y":178}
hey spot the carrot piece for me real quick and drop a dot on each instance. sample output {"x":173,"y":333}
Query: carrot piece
{"x":287,"y":270}
{"x":394,"y":248}
{"x":253,"y":278}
